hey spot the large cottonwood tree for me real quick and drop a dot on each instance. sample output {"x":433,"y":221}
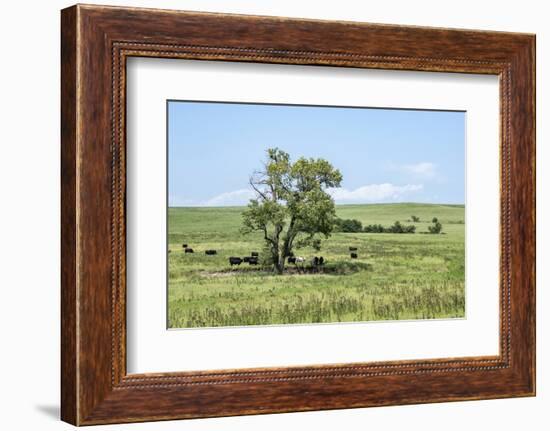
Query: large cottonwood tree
{"x":291,"y":206}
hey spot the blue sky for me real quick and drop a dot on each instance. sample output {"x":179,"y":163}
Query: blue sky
{"x":385,"y":155}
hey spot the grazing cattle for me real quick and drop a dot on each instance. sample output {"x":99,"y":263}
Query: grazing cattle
{"x":353,"y":249}
{"x":254,"y":254}
{"x":235,"y":261}
{"x":321,"y":261}
{"x":291,"y":259}
{"x":189,"y":250}
{"x":210,"y":252}
{"x":184,"y":245}
{"x":246,"y":259}
{"x":299,"y":262}
{"x":253,"y":260}
{"x":353,"y":255}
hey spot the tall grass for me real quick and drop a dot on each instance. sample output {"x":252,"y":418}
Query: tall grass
{"x":395,"y":277}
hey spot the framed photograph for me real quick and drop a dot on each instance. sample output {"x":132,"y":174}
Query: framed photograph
{"x":265,"y":215}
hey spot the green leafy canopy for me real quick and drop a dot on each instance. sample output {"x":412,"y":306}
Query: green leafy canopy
{"x":291,"y":206}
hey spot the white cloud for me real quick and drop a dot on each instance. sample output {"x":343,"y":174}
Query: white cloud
{"x":423,"y":169}
{"x":385,"y":192}
{"x":373,"y":193}
{"x":234,"y":198}
{"x":176,"y":201}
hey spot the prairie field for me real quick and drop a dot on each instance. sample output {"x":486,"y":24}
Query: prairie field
{"x":395,"y":277}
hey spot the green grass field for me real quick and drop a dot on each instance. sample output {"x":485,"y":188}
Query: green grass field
{"x":396,"y":276}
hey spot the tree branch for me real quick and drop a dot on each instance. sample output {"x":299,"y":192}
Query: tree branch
{"x":256,"y":189}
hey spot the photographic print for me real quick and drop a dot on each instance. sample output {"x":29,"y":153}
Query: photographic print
{"x":298,"y":214}
{"x":322,"y":222}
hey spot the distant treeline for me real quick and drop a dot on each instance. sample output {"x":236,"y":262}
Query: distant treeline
{"x":397,"y":227}
{"x":355,"y":226}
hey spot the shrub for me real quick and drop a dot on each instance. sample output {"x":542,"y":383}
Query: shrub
{"x":347,"y":225}
{"x":397,"y":227}
{"x":415,"y":219}
{"x":436,"y":228}
{"x":374,"y":228}
{"x":409,"y":229}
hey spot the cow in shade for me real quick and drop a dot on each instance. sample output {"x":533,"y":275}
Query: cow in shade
{"x":235,"y":261}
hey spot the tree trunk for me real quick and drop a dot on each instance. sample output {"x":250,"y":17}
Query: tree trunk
{"x":278,"y":261}
{"x":277,"y":254}
{"x":287,"y":248}
{"x":280,"y":266}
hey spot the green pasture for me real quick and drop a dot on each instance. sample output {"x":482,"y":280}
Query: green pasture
{"x":396,"y":276}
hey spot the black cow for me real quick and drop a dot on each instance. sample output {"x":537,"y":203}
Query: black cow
{"x":210,"y":252}
{"x":246,"y":259}
{"x":254,"y":254}
{"x":353,"y":255}
{"x":253,"y":260}
{"x":353,"y":249}
{"x":235,"y":261}
{"x":321,"y":261}
{"x":189,"y":250}
{"x":291,"y":259}
{"x":184,"y":245}
{"x":315,"y":261}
